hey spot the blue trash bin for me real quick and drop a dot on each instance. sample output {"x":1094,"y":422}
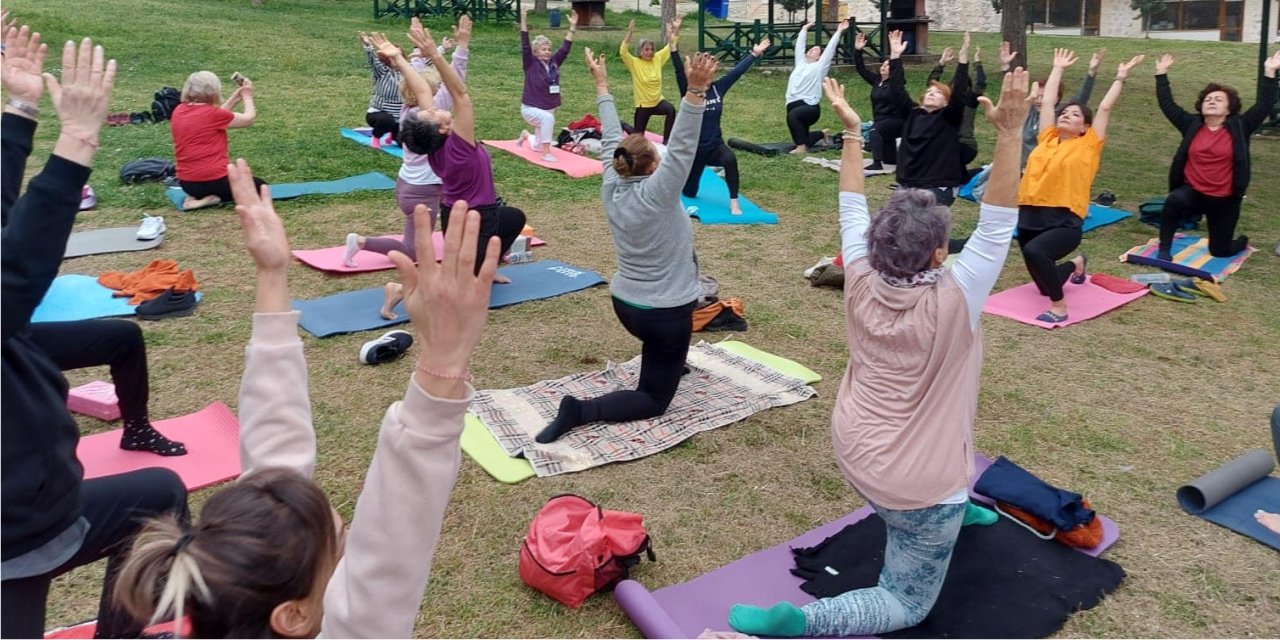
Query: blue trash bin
{"x":554,"y":15}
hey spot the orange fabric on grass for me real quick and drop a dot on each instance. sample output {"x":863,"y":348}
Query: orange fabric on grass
{"x":1085,"y":536}
{"x":149,"y":281}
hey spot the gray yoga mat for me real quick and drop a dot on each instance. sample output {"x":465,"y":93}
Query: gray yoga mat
{"x":1229,"y":495}
{"x":88,"y":243}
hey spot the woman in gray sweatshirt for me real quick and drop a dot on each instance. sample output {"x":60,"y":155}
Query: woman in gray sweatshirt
{"x":656,"y":285}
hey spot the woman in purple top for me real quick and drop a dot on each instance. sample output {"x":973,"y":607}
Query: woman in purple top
{"x":448,"y":139}
{"x":541,"y":95}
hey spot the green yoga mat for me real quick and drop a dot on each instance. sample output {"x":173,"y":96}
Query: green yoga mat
{"x":480,"y":444}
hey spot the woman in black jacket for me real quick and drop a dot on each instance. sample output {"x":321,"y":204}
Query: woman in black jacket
{"x":1210,"y":171}
{"x":885,"y":107}
{"x":930,"y":156}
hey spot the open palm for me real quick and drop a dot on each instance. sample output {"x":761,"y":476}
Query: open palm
{"x":23,"y":63}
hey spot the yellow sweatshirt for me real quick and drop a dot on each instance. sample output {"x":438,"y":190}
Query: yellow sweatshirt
{"x":646,"y":75}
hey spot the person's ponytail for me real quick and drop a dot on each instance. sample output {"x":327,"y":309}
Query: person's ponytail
{"x":162,"y":574}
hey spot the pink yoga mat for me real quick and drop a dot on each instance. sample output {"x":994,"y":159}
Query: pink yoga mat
{"x":212,"y":437}
{"x":1084,"y":302}
{"x":330,"y":258}
{"x":571,"y":164}
{"x":86,"y":629}
{"x":763,"y":579}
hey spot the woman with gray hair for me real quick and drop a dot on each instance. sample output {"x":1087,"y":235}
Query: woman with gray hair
{"x":646,"y":79}
{"x":199,"y":126}
{"x":541,"y":95}
{"x":903,"y":421}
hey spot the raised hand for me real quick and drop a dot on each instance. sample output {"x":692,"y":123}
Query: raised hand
{"x":264,"y":235}
{"x":947,"y":56}
{"x":842,"y":27}
{"x":677,"y":22}
{"x":383,"y":46}
{"x":1009,"y":115}
{"x":84,"y":93}
{"x":964,"y":44}
{"x":702,"y":69}
{"x":448,"y":301}
{"x":835,"y":95}
{"x":631,"y":29}
{"x":1122,"y":71}
{"x":859,"y":41}
{"x":573,"y":19}
{"x":422,"y":37}
{"x":462,"y":31}
{"x":761,"y":47}
{"x":1163,"y":63}
{"x":446,"y":44}
{"x":1063,"y":58}
{"x":1096,"y":60}
{"x":364,"y":38}
{"x":897,"y":46}
{"x":596,"y":66}
{"x":23,"y":64}
{"x":1271,"y":65}
{"x":524,"y":18}
{"x":1007,"y":55}
{"x":807,"y":25}
{"x":977,"y":54}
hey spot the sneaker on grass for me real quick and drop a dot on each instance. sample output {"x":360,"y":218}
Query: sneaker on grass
{"x":390,"y":346}
{"x":170,"y":304}
{"x":152,"y":227}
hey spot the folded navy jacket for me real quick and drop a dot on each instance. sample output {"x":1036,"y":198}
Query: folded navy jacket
{"x":1007,"y":482}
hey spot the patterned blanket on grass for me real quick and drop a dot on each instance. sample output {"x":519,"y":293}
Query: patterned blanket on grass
{"x":720,"y":389}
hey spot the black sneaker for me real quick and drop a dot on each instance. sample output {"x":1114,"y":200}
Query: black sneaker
{"x":170,"y":304}
{"x":390,"y":346}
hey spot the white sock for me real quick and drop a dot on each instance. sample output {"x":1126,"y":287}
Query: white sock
{"x":353,"y":247}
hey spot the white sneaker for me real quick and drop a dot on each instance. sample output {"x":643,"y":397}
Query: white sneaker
{"x":353,"y":247}
{"x":548,"y":158}
{"x":152,"y":227}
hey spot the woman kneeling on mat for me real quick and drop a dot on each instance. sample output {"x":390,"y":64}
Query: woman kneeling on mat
{"x":930,"y":155}
{"x":199,"y":127}
{"x":229,"y":573}
{"x":646,"y":81}
{"x":887,"y":127}
{"x":1210,"y":171}
{"x":656,"y":286}
{"x":804,"y":87}
{"x":903,"y":421}
{"x":712,"y":151}
{"x":541,"y":95}
{"x":1053,"y":198}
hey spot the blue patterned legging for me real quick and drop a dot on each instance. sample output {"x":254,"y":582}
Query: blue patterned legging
{"x":916,"y":556}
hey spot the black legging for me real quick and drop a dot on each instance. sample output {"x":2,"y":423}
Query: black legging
{"x":664,"y":334}
{"x":114,"y":507}
{"x":721,"y":156}
{"x":1221,"y":215}
{"x":884,"y":140}
{"x":495,"y":220}
{"x":1056,"y":232}
{"x":383,"y":123}
{"x":800,"y":116}
{"x":663,"y":109}
{"x":91,"y":343}
{"x":220,"y":187}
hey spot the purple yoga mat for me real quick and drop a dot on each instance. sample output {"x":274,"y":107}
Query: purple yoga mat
{"x":762,"y":579}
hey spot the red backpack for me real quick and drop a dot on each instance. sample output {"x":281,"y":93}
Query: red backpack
{"x":574,"y":548}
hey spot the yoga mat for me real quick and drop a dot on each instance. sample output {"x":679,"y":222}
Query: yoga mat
{"x":372,"y":181}
{"x":78,"y":297}
{"x":1191,"y":257}
{"x":834,"y":165}
{"x":330,"y":258}
{"x":212,"y":437}
{"x":712,"y":204}
{"x":684,"y":610}
{"x":1084,"y":302}
{"x":364,"y":138}
{"x":777,"y":363}
{"x":114,"y":240}
{"x":86,"y":630}
{"x":1099,"y":216}
{"x":478,"y":443}
{"x":1228,"y":496}
{"x":776,"y":148}
{"x":571,"y":164}
{"x":353,"y":311}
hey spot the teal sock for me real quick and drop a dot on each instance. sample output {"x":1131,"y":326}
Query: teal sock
{"x":973,"y":514}
{"x":783,"y":619}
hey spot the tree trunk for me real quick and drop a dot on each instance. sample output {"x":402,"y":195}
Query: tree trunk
{"x":1013,"y":28}
{"x":540,"y":6}
{"x":669,"y":14}
{"x":831,"y":11}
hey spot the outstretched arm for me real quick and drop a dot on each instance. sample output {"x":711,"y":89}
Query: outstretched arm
{"x":1062,"y":58}
{"x":23,"y":63}
{"x":670,"y":176}
{"x":610,"y":124}
{"x":854,"y":218}
{"x":464,"y":119}
{"x":727,"y":81}
{"x":1103,"y":117}
{"x":1176,"y":115}
{"x":860,"y":62}
{"x":829,"y":53}
{"x":802,"y":43}
{"x":420,"y":88}
{"x":682,"y":82}
{"x":1256,"y":114}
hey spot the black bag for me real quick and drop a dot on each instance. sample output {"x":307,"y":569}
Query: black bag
{"x":146,"y":170}
{"x":166,"y":100}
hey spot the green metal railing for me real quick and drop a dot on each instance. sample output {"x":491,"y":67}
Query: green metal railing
{"x":479,"y":10}
{"x":731,"y":42}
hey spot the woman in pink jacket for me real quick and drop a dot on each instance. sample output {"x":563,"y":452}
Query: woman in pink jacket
{"x":903,"y":422}
{"x":231,"y":573}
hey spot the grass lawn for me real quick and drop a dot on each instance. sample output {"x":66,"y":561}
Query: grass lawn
{"x":1123,"y":408}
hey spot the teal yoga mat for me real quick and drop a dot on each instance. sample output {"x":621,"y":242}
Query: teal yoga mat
{"x":1099,"y":216}
{"x":712,"y":204}
{"x":77,"y":297}
{"x":354,"y":311}
{"x":365,"y":139}
{"x":372,"y":181}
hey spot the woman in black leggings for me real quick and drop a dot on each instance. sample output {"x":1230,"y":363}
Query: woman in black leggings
{"x":887,"y":126}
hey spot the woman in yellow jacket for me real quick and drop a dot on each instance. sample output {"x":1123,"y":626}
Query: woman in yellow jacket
{"x":646,"y":79}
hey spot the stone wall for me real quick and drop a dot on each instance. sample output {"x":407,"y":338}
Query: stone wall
{"x":1253,"y":20}
{"x":1117,"y":20}
{"x":963,"y":15}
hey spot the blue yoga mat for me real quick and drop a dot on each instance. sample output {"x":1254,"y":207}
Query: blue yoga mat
{"x":367,"y":140}
{"x":77,"y":297}
{"x":713,"y":204}
{"x":1099,"y":216}
{"x":1236,"y":512}
{"x":372,"y":181}
{"x":358,"y":310}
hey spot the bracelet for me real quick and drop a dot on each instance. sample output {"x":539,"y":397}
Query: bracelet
{"x":465,"y":377}
{"x":848,"y":135}
{"x":25,"y":107}
{"x":91,"y":143}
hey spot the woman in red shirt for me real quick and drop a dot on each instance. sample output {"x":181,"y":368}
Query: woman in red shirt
{"x":1210,"y":170}
{"x":199,"y":127}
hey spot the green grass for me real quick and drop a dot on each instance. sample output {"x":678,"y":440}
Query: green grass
{"x":1123,"y":408}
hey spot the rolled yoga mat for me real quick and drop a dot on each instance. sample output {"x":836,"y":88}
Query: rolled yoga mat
{"x":1229,"y":495}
